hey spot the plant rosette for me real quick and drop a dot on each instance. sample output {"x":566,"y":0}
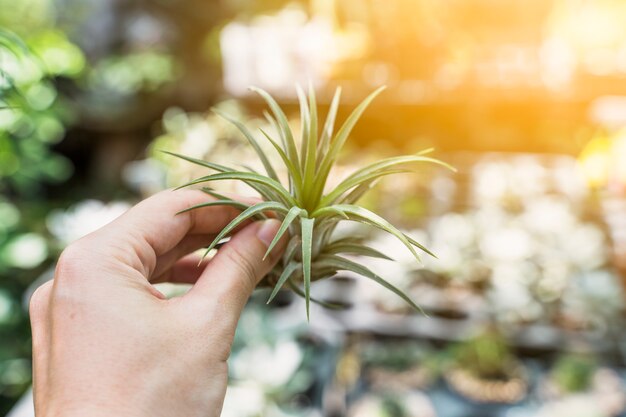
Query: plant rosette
{"x":307,"y":205}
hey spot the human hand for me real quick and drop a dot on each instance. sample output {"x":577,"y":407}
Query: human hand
{"x":107,"y":343}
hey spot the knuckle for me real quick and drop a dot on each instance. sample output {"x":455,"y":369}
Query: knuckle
{"x":70,"y":264}
{"x":40,"y":301}
{"x":246,"y":269}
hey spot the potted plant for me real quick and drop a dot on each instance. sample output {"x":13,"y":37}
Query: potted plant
{"x":399,"y":404}
{"x":483,"y":370}
{"x":579,"y":376}
{"x":305,"y":203}
{"x":393,"y":365}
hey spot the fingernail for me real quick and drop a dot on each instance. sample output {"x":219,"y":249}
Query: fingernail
{"x":267,"y":231}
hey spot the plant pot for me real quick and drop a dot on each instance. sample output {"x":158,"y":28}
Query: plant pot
{"x":606,"y":390}
{"x":505,"y":391}
{"x":383,"y":379}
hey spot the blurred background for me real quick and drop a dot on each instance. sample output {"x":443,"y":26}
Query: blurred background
{"x":527,"y":98}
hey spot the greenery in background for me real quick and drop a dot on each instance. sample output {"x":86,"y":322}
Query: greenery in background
{"x":573,"y":373}
{"x":486,"y":356}
{"x":283,"y":362}
{"x":398,"y":356}
{"x":33,"y":117}
{"x":308,"y":210}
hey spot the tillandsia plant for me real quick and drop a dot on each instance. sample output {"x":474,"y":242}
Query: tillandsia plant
{"x":308,"y":211}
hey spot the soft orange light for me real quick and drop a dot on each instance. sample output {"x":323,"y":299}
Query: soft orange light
{"x":594,"y":161}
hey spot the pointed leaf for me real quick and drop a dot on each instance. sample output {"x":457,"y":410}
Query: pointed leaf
{"x":253,"y":142}
{"x":231,"y":203}
{"x":310,"y":150}
{"x":337,"y":143}
{"x":291,"y":215}
{"x":419,"y":245}
{"x":355,"y":248}
{"x":245,"y":215}
{"x":294,"y":173}
{"x":365,"y":216}
{"x":399,"y":160}
{"x":294,"y":287}
{"x":347,"y":265}
{"x":283,"y":125}
{"x":210,"y":191}
{"x":248,"y":177}
{"x":211,"y":165}
{"x":329,"y":125}
{"x":307,"y":246}
{"x":292,"y":247}
{"x":305,"y":122}
{"x":379,"y":167}
{"x":287,"y":272}
{"x":346,"y":128}
{"x":349,"y":183}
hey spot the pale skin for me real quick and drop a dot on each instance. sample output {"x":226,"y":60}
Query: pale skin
{"x":106,"y":342}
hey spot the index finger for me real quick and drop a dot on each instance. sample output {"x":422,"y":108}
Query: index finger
{"x":153,"y":227}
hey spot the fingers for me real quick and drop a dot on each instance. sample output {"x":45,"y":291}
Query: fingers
{"x":238,"y":266}
{"x":153,"y":228}
{"x":186,"y":270}
{"x":39,"y":317}
{"x":165,"y":271}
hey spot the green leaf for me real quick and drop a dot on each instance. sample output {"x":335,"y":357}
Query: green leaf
{"x":398,"y":160}
{"x":253,"y":142}
{"x":283,"y":125}
{"x":329,"y":125}
{"x":231,"y":203}
{"x":357,"y":193}
{"x":211,"y":165}
{"x":339,"y":140}
{"x":419,"y":245}
{"x":380,"y":167}
{"x":305,"y":122}
{"x":346,"y":128}
{"x":248,"y":177}
{"x":245,"y":215}
{"x":294,"y":173}
{"x":349,"y":183}
{"x":310,"y":153}
{"x":290,"y":217}
{"x":287,"y":272}
{"x":365,"y":216}
{"x":347,"y":265}
{"x":210,"y":191}
{"x":13,"y":43}
{"x":355,"y":248}
{"x":307,"y":246}
{"x":294,"y":287}
{"x":292,"y":247}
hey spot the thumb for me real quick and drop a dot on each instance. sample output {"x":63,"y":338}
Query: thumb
{"x":238,"y":266}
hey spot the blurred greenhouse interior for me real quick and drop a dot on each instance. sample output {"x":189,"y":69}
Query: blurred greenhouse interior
{"x":526,"y":98}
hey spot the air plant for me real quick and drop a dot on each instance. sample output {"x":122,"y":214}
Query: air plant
{"x":310,"y":212}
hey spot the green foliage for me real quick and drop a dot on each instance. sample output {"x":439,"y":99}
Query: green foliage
{"x":308,"y":211}
{"x":397,"y":355}
{"x":32,"y":117}
{"x":486,"y":356}
{"x":573,"y":373}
